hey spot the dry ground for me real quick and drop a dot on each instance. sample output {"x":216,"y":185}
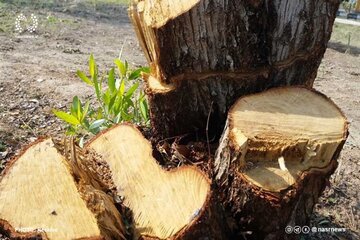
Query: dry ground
{"x":37,"y":73}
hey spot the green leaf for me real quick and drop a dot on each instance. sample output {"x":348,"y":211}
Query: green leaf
{"x":107,"y":97}
{"x":96,"y":124}
{"x":67,"y":117}
{"x":117,"y":106}
{"x":144,"y":109}
{"x":86,"y":110}
{"x":99,"y":114}
{"x":100,"y":83}
{"x":121,"y":66}
{"x":79,"y":110}
{"x":85,"y":124}
{"x":97,"y":88}
{"x":83,"y":77}
{"x":76,"y":108}
{"x":122,"y":88}
{"x":117,"y":118}
{"x":112,"y":101}
{"x":70,"y":131}
{"x":92,"y":66}
{"x":145,"y":69}
{"x":132,"y":89}
{"x":129,"y":102}
{"x":111,"y":80}
{"x":125,"y":116}
{"x":137,"y":73}
{"x":73,"y":107}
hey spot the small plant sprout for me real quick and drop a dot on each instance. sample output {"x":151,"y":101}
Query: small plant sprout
{"x":118,"y":96}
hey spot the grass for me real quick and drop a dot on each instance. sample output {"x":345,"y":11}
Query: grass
{"x":57,"y":3}
{"x":340,"y":31}
{"x":101,"y":3}
{"x":6,"y":19}
{"x":109,"y":1}
{"x":341,"y":34}
{"x":10,"y":8}
{"x":48,"y":23}
{"x":32,"y":3}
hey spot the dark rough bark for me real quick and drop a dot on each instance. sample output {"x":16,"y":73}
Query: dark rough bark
{"x":185,"y":108}
{"x":233,"y":35}
{"x":220,"y":50}
{"x":210,"y":225}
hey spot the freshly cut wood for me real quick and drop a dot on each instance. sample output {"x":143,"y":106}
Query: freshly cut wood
{"x":40,"y":197}
{"x":176,"y":204}
{"x":276,"y":154}
{"x":217,"y":51}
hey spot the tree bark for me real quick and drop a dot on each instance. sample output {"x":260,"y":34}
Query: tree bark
{"x":224,"y":50}
{"x":214,"y":36}
{"x":177,"y":204}
{"x":186,"y":106}
{"x":275,"y":158}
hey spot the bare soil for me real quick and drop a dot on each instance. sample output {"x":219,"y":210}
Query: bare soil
{"x":37,"y":74}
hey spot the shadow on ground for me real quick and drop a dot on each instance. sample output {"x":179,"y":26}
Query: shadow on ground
{"x":343,"y":48}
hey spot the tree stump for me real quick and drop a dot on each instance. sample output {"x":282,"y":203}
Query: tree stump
{"x":42,"y":196}
{"x":176,"y":204}
{"x":275,"y":157}
{"x":206,"y":54}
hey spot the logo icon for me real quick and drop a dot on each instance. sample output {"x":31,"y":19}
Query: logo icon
{"x":297,"y":229}
{"x":305,"y":229}
{"x":288,"y":229}
{"x":23,"y":24}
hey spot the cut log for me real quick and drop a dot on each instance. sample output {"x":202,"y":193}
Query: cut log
{"x":217,"y":51}
{"x":275,"y":157}
{"x":176,"y":204}
{"x":40,"y":197}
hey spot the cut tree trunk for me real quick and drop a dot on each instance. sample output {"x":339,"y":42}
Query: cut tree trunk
{"x":212,"y":52}
{"x":43,"y":196}
{"x":177,"y":204}
{"x":275,"y":158}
